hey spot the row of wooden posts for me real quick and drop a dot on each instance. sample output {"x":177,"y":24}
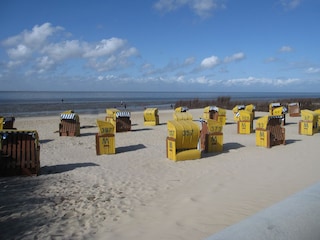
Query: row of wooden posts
{"x":20,"y":149}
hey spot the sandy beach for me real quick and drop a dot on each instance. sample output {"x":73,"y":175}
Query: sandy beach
{"x":138,"y":193}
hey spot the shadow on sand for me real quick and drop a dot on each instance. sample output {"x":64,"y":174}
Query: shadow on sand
{"x":290,"y":141}
{"x":43,"y":141}
{"x":87,"y":134}
{"x":130,"y":148}
{"x":18,"y":197}
{"x":140,"y":129}
{"x":64,"y":168}
{"x":226,"y":148}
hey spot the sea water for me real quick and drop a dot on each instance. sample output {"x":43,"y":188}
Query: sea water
{"x":31,"y":103}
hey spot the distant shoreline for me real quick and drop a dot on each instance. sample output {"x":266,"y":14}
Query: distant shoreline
{"x":26,"y":104}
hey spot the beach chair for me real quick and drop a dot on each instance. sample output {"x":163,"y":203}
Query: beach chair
{"x":294,"y":109}
{"x":19,"y":152}
{"x":308,"y":125}
{"x":151,"y":117}
{"x":211,"y":137}
{"x":105,"y":138}
{"x":236,"y":110}
{"x":181,"y":109}
{"x":181,"y":113}
{"x":245,"y":122}
{"x":272,"y":106}
{"x":251,"y":108}
{"x":120,"y":119}
{"x":276,"y":109}
{"x":215,"y":113}
{"x":182,"y":140}
{"x":317,"y":111}
{"x":269,"y":131}
{"x":69,"y":124}
{"x":6,"y":122}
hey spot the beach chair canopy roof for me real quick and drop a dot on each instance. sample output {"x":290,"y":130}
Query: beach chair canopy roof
{"x":69,"y":116}
{"x":250,"y":107}
{"x":181,"y":109}
{"x":275,"y":104}
{"x":279,"y":110}
{"x":263,"y":122}
{"x":244,"y":115}
{"x":274,"y":117}
{"x":185,"y":132}
{"x":33,"y":133}
{"x":123,"y":114}
{"x":8,"y":119}
{"x":211,"y":109}
{"x":150,"y":114}
{"x":105,"y":127}
{"x":308,"y":115}
{"x":151,"y":111}
{"x":293,"y":104}
{"x":182,"y":116}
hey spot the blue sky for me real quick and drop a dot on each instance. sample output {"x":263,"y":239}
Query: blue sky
{"x":160,"y":45}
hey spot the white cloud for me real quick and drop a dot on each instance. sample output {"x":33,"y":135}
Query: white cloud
{"x":146,"y":66}
{"x":202,"y":8}
{"x":107,"y":78}
{"x":189,"y":61}
{"x":104,"y":64}
{"x":63,"y":50}
{"x":20,"y":51}
{"x":202,"y":80}
{"x":235,"y":57}
{"x":285,"y":82}
{"x":105,"y":47}
{"x":34,"y":49}
{"x":290,"y":4}
{"x":286,"y":49}
{"x":168,"y":5}
{"x":129,"y":52}
{"x":313,"y":70}
{"x":210,"y":62}
{"x":250,"y":81}
{"x":39,"y":34}
{"x":34,"y":38}
{"x":44,"y":63}
{"x":14,"y":64}
{"x":271,"y":59}
{"x":171,"y":67}
{"x":181,"y":79}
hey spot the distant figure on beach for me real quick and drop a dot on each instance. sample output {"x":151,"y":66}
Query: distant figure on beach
{"x":62,"y":100}
{"x":123,"y":104}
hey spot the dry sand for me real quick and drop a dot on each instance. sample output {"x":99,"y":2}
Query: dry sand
{"x":140,"y":194}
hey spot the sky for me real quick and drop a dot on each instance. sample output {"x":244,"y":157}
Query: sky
{"x":160,"y":45}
